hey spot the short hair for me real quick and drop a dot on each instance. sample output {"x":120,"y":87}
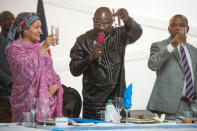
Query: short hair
{"x":102,"y":9}
{"x":181,"y":16}
{"x":3,"y":15}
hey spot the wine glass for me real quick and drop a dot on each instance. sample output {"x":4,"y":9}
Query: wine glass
{"x":127,"y":112}
{"x":33,"y":106}
{"x":55,"y":30}
{"x":183,"y":30}
{"x":102,"y":114}
{"x":27,"y":118}
{"x":118,"y":103}
{"x":45,"y":110}
{"x":116,"y":19}
{"x":194,"y":107}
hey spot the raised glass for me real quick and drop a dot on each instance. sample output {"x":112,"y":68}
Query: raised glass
{"x":55,"y":30}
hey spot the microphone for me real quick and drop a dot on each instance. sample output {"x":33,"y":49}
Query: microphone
{"x":100,"y":41}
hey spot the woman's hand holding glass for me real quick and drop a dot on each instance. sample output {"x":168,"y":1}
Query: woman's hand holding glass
{"x":51,"y":40}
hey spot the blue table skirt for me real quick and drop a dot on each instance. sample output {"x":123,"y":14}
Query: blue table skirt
{"x":173,"y":126}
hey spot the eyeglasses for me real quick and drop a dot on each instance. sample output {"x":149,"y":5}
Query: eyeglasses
{"x":100,"y":24}
{"x":179,"y":25}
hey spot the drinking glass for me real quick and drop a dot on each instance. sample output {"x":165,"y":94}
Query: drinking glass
{"x":194,"y":107}
{"x":102,"y":114}
{"x":118,"y":103}
{"x":116,"y":19}
{"x":127,"y":112}
{"x":27,"y":118}
{"x":55,"y":30}
{"x":45,"y":110}
{"x":33,"y":107}
{"x":183,"y":30}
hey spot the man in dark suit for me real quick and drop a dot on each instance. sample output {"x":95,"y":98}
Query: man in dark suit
{"x":174,"y":60}
{"x":6,"y":19}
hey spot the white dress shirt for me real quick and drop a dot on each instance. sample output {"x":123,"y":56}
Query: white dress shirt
{"x":170,"y":48}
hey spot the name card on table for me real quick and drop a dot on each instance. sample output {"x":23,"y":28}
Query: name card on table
{"x":61,"y":122}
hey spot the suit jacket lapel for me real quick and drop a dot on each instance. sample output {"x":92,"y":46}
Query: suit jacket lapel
{"x":177,"y":56}
{"x":176,"y":53}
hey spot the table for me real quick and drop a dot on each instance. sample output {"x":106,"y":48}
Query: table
{"x":107,"y":127}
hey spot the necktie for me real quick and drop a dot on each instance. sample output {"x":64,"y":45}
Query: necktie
{"x":188,"y":76}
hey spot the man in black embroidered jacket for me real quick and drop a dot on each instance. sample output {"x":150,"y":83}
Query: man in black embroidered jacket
{"x":105,"y":79}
